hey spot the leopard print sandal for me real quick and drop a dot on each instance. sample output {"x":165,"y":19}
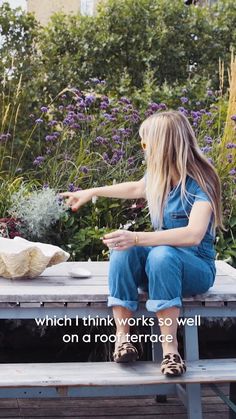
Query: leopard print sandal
{"x":125,"y":352}
{"x":173,"y":365}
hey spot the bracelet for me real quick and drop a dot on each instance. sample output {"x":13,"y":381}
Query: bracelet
{"x":136,"y":239}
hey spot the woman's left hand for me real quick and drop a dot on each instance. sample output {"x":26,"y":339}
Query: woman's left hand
{"x":120,"y":239}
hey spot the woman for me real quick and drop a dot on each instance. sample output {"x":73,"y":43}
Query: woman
{"x":177,"y":259}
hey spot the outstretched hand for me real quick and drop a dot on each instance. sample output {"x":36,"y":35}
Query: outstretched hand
{"x":75,"y":200}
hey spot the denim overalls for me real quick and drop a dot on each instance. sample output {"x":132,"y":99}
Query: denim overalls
{"x":167,"y":273}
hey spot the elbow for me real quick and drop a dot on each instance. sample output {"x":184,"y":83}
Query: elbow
{"x":195,"y":238}
{"x":196,"y":241}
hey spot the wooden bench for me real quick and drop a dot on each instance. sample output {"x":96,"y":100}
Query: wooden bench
{"x":56,"y":294}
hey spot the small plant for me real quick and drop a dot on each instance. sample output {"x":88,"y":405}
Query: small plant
{"x":37,"y":211}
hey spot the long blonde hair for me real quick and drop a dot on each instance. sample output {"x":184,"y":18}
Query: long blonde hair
{"x":171,"y":147}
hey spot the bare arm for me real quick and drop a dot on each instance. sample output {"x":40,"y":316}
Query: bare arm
{"x":126,"y":190}
{"x":191,"y":235}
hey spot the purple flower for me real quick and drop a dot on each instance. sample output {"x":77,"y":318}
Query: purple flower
{"x":56,"y":134}
{"x":183,"y":110}
{"x":38,"y":121}
{"x":104,"y":105}
{"x":230,"y":145}
{"x":99,"y":140}
{"x":116,"y":138}
{"x":115,"y":110}
{"x":184,"y":99}
{"x":75,"y":126}
{"x":229,"y":158}
{"x":66,"y":121}
{"x":105,"y":156}
{"x":105,"y":98}
{"x":61,"y":108}
{"x":3,"y":137}
{"x":109,"y":117}
{"x":208,"y":139}
{"x":154,"y":106}
{"x":130,"y":161}
{"x":209,"y":92}
{"x":71,"y":187}
{"x":49,"y":138}
{"x":38,"y":161}
{"x":44,"y":109}
{"x":89,"y":100}
{"x":81,"y":104}
{"x":232,"y":172}
{"x":124,"y":99}
{"x":206,"y":149}
{"x":162,"y":106}
{"x":70,"y":107}
{"x":84,"y":169}
{"x":233,"y":117}
{"x":80,"y":116}
{"x":196,"y":115}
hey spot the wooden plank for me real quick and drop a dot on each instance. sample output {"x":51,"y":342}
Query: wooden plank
{"x":215,"y":304}
{"x":106,"y":410}
{"x":56,"y":286}
{"x":101,"y":268}
{"x":130,"y":401}
{"x":111,"y":374}
{"x":225,"y":269}
{"x":136,"y":416}
{"x":97,"y":407}
{"x":30,"y":304}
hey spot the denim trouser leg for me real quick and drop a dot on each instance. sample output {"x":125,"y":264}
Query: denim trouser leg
{"x":126,"y":274}
{"x":173,"y":273}
{"x":169,"y":272}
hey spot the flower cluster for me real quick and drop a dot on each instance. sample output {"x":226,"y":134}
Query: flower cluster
{"x":107,"y":127}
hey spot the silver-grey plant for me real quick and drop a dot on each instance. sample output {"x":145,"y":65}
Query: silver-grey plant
{"x":37,"y":210}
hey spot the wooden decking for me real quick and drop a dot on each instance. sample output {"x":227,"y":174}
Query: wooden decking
{"x":110,"y":408}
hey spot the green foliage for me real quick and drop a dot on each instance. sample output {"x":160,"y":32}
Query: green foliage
{"x":152,"y":54}
{"x":226,"y":244}
{"x":37,"y":210}
{"x":132,"y":37}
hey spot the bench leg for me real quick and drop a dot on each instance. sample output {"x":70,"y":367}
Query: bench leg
{"x":193,"y":391}
{"x":232,"y":397}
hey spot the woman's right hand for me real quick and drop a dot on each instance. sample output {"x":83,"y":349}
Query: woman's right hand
{"x":75,"y":200}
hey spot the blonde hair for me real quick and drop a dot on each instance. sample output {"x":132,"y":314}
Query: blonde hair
{"x":172,"y":148}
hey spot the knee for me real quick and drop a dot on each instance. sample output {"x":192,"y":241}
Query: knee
{"x":161,"y":256}
{"x":121,"y":257}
